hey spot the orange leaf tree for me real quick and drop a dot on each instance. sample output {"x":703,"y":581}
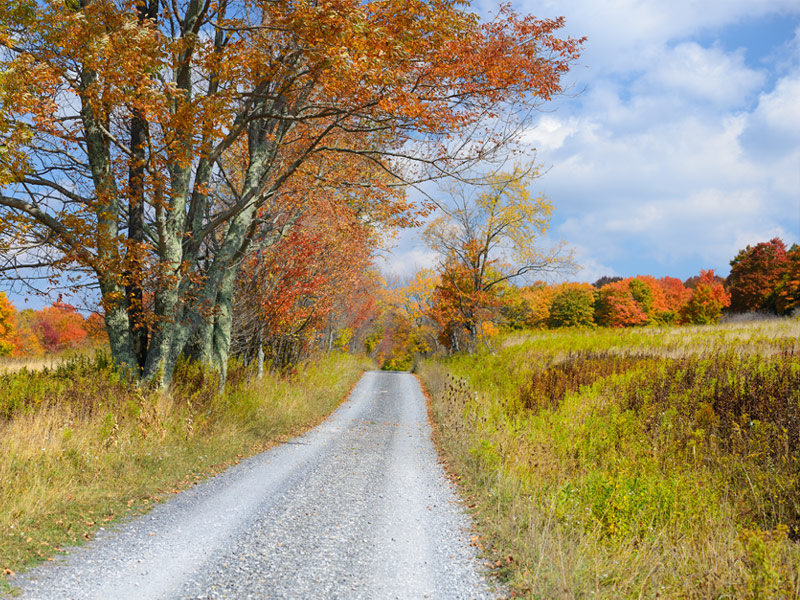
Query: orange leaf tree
{"x":633,"y":301}
{"x":617,"y":307}
{"x":708,"y":299}
{"x":60,"y":327}
{"x":146,"y":143}
{"x":788,"y":289}
{"x":675,"y":296}
{"x":7,"y":314}
{"x":528,"y":306}
{"x":307,"y":282}
{"x":26,"y":341}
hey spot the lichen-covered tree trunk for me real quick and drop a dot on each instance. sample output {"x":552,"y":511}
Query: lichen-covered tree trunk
{"x":118,"y":325}
{"x":210,"y":342}
{"x":223,"y":324}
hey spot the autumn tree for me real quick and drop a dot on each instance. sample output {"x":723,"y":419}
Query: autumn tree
{"x":617,"y":307}
{"x":692,"y":282}
{"x":459,"y":309}
{"x":755,"y":274}
{"x":145,"y":142}
{"x":32,"y":333}
{"x":676,"y":295}
{"x":416,"y":300}
{"x":60,"y":327}
{"x":632,"y":301}
{"x":487,"y":236}
{"x":7,"y":313}
{"x":288,"y":293}
{"x":788,"y":289}
{"x":605,"y":280}
{"x":572,"y":306}
{"x":95,"y":330}
{"x":26,"y":341}
{"x":708,"y":299}
{"x":536,"y":300}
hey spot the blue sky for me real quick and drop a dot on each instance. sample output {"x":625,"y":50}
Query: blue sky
{"x":680,"y":141}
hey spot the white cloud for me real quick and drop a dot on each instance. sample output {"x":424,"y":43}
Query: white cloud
{"x":590,"y":269}
{"x":629,"y":35}
{"x":403,"y":264}
{"x":707,"y":227}
{"x":780,"y":109}
{"x":550,"y":133}
{"x":773,"y":129}
{"x":710,"y":75}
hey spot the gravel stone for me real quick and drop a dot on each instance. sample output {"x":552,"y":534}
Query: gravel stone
{"x":358,"y":508}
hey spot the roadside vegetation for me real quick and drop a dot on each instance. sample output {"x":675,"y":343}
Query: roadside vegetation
{"x":83,"y":446}
{"x":631,"y":463}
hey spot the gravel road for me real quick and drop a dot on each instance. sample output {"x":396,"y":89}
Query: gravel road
{"x":356,"y":508}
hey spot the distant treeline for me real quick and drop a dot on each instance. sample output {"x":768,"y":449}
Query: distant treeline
{"x":32,"y":333}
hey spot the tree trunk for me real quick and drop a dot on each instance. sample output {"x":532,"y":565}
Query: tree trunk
{"x":223,"y":324}
{"x":260,"y":355}
{"x":134,"y":274}
{"x":118,"y":326}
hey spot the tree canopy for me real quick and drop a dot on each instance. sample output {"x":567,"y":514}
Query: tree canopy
{"x":148,"y":146}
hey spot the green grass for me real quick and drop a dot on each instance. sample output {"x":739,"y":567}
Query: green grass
{"x":632,"y":463}
{"x":82,"y":447}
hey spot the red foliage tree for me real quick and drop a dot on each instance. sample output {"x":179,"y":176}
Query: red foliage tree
{"x":633,"y":301}
{"x":60,"y":327}
{"x":308,"y":282}
{"x":676,"y":294}
{"x":616,"y":306}
{"x":755,"y":274}
{"x":708,"y":299}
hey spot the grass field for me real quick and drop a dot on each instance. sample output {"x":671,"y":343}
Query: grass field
{"x":81,"y":447}
{"x":39,"y":363}
{"x":641,"y":463}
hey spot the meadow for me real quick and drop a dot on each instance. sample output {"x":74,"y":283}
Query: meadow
{"x":631,"y":463}
{"x":82,"y":446}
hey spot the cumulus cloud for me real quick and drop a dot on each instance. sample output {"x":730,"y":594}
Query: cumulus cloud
{"x":628,"y":35}
{"x":677,"y":152}
{"x":403,"y":262}
{"x":707,"y":75}
{"x":773,"y":128}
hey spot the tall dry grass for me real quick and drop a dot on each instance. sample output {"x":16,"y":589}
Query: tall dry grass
{"x":82,"y":446}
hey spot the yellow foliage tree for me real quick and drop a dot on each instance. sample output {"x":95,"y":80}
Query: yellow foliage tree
{"x":488,"y":235}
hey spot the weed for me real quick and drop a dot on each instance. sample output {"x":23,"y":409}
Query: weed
{"x":632,"y":464}
{"x":82,"y":445}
